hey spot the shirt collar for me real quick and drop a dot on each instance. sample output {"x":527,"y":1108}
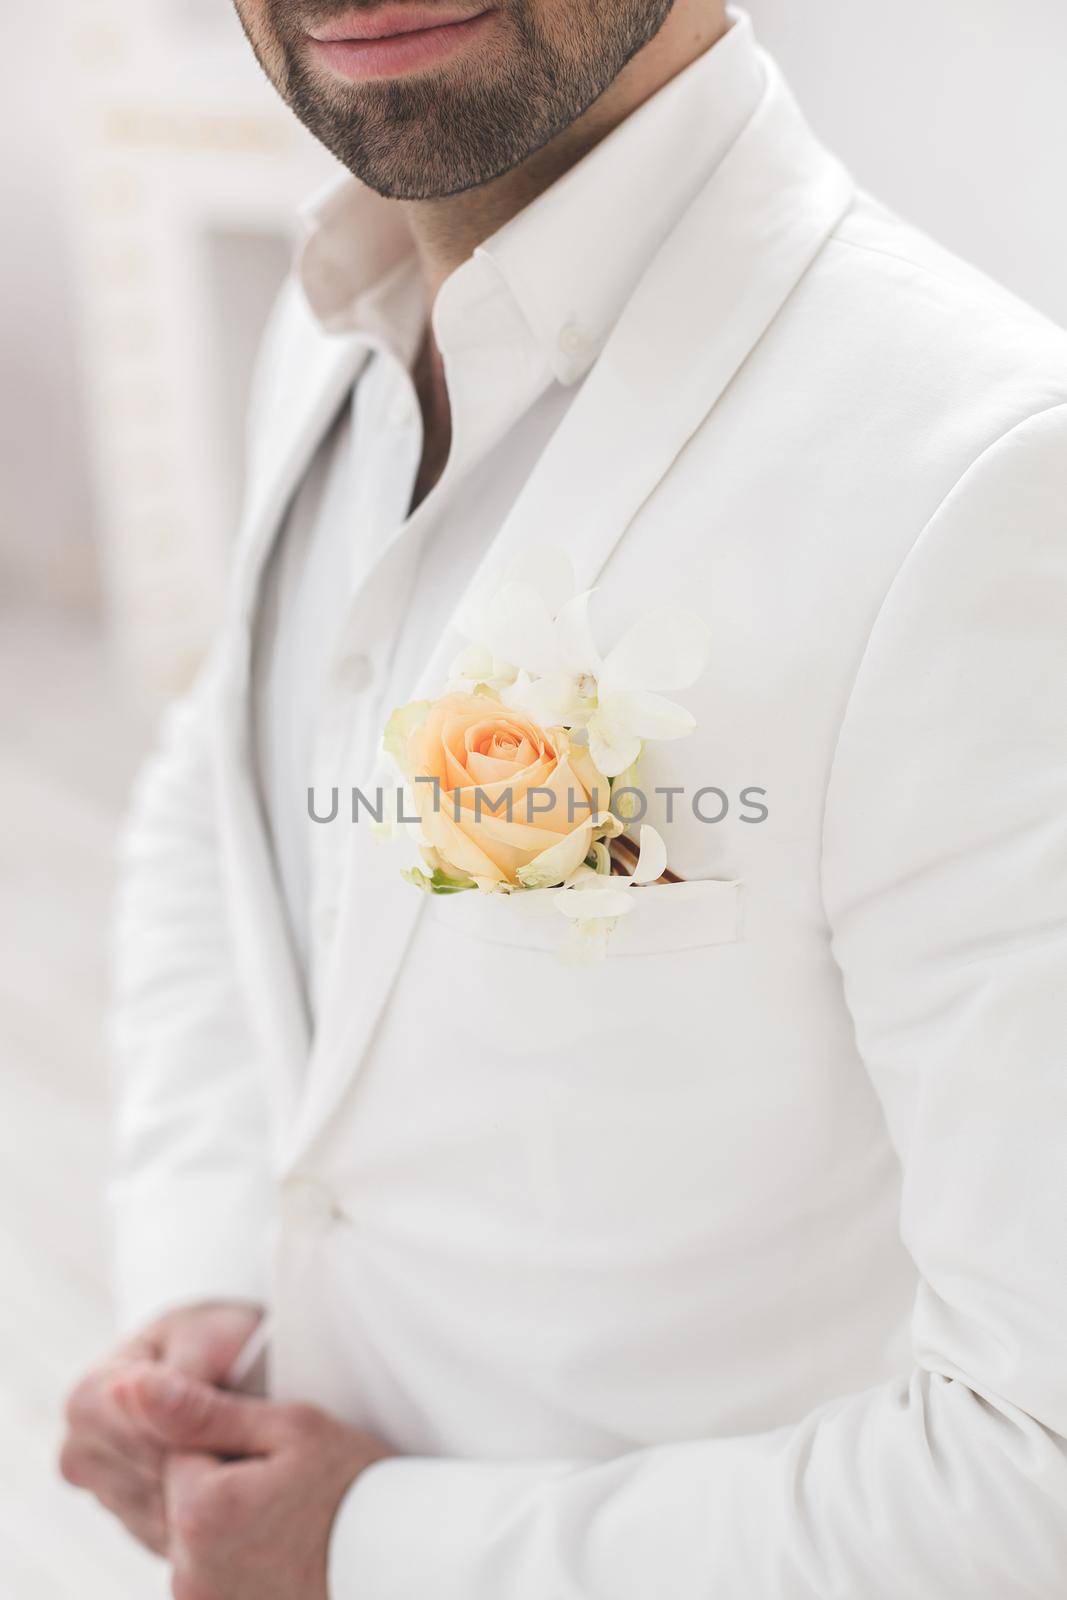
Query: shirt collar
{"x":352,"y":239}
{"x":573,"y":257}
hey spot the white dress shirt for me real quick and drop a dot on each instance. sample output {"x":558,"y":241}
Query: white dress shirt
{"x":518,"y":326}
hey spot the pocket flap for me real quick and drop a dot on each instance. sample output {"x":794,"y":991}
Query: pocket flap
{"x":666,"y":917}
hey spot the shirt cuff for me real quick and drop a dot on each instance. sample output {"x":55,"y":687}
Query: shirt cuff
{"x":411,"y":1528}
{"x":188,"y":1244}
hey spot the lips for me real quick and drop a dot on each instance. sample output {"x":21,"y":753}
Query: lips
{"x":390,"y":22}
{"x":393,"y":41}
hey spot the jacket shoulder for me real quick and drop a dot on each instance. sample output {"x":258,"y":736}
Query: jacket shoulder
{"x":935,"y":300}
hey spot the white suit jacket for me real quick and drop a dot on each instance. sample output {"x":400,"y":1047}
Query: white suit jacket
{"x":736,"y":1266}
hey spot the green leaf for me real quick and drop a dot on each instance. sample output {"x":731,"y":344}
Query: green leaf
{"x":441,"y":883}
{"x":437,"y":882}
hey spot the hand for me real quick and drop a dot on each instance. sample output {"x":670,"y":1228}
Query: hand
{"x":114,"y":1456}
{"x":256,"y":1527}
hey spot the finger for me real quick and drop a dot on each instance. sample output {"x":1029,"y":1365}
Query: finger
{"x":189,"y":1502}
{"x":146,"y":1522}
{"x":135,"y":1500}
{"x":149,"y":1531}
{"x":84,"y":1462}
{"x":131,"y":1503}
{"x":95,"y":1416}
{"x":216,"y":1508}
{"x":141,"y":1347}
{"x":187,"y":1415}
{"x":205,"y":1346}
{"x":188,"y":1474}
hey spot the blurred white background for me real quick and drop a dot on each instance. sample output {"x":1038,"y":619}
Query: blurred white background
{"x":148,"y":185}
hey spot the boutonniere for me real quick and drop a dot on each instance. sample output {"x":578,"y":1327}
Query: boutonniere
{"x":516,"y":772}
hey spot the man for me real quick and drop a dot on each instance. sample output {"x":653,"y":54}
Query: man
{"x":735,"y":1264}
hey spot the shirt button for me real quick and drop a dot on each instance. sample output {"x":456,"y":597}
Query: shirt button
{"x":573,"y":340}
{"x":310,"y":1203}
{"x":401,"y":412}
{"x":357,"y":674}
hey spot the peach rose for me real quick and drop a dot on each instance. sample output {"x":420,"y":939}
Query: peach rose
{"x":502,"y":800}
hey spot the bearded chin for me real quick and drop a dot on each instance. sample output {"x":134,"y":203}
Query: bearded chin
{"x":427,"y":138}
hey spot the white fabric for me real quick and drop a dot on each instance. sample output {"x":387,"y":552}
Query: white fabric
{"x":516,"y":335}
{"x":354,"y":500}
{"x":731,"y":1267}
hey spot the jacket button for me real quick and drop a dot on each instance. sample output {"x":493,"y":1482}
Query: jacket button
{"x":310,"y":1203}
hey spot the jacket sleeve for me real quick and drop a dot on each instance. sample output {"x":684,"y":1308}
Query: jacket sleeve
{"x":191,"y":1195}
{"x":945,"y":882}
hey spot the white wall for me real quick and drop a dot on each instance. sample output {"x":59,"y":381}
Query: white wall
{"x":952,"y":111}
{"x":148,"y":183}
{"x":188,"y":172}
{"x":45,"y":526}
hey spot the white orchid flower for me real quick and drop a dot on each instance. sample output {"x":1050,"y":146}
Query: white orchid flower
{"x":594,"y":901}
{"x":665,"y":650}
{"x":532,"y":641}
{"x":508,"y":621}
{"x":476,"y":667}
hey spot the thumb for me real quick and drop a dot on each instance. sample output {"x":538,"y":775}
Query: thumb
{"x":204,"y":1341}
{"x":189,"y":1415}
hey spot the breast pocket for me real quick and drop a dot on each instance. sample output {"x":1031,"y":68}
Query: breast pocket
{"x":667,"y":918}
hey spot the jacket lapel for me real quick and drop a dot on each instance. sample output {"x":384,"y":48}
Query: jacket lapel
{"x":715,"y":287}
{"x":291,"y":429}
{"x":718,"y":282}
